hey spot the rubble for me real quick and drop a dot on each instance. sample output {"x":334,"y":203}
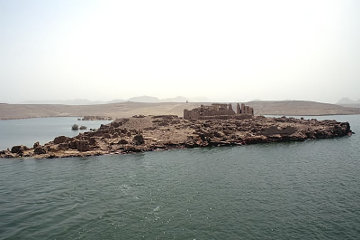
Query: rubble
{"x":150,"y":133}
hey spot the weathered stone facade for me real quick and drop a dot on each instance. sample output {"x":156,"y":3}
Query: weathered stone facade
{"x":217,"y":110}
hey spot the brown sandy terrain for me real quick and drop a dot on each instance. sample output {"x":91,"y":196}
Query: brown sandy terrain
{"x":128,"y":109}
{"x":300,"y":108}
{"x":351,"y":105}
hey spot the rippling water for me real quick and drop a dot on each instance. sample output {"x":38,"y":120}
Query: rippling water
{"x":306,"y":190}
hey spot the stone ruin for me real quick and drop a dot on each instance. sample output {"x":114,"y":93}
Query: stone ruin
{"x":219,"y":111}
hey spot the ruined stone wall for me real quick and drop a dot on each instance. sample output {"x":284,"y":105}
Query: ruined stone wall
{"x":191,"y":114}
{"x":212,"y":112}
{"x":238,"y":109}
{"x":240,"y":116}
{"x":216,"y":110}
{"x":242,"y":108}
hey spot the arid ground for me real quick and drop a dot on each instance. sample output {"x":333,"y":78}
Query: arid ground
{"x":128,"y":109}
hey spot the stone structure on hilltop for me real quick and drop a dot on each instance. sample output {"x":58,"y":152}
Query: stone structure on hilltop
{"x":219,"y":111}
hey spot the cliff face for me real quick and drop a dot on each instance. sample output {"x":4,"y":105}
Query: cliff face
{"x":139,"y":133}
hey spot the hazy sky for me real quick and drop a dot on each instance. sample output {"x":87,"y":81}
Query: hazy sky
{"x":223,"y":50}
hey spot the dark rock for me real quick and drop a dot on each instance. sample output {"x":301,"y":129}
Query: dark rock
{"x":36,"y":145}
{"x":64,"y":146}
{"x":346,"y":127}
{"x":92,"y":141}
{"x":123,"y":141}
{"x":83,"y":128}
{"x":19,"y":149}
{"x":60,"y":139}
{"x":218,"y":134}
{"x":138,"y":116}
{"x":273,"y":130}
{"x":39,"y":150}
{"x":131,"y":148}
{"x":73,"y":144}
{"x":116,"y":124}
{"x":138,"y":139}
{"x":82,"y":146}
{"x":255,"y":140}
{"x":106,"y":135}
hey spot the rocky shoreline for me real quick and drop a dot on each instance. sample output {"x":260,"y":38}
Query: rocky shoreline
{"x":149,"y":133}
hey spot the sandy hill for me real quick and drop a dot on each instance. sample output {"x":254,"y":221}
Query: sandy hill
{"x":128,"y":109}
{"x":300,"y":108}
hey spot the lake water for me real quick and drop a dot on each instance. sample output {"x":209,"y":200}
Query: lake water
{"x":302,"y":190}
{"x":28,"y":131}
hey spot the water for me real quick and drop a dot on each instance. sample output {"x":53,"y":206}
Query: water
{"x":303,"y":190}
{"x":28,"y":131}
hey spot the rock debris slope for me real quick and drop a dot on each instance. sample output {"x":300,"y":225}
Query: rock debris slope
{"x":149,"y":133}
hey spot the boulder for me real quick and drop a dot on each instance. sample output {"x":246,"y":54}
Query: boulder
{"x":123,"y":141}
{"x":63,"y":146}
{"x":138,"y":139}
{"x":39,"y":150}
{"x":346,"y":127}
{"x":82,"y":146}
{"x":73,"y":144}
{"x":218,"y":134}
{"x":131,"y":148}
{"x":36,"y":145}
{"x":19,"y":149}
{"x":106,"y":135}
{"x":274,"y":130}
{"x":92,"y":141}
{"x":60,"y":139}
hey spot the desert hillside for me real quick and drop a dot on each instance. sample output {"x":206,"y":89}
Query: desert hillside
{"x":128,"y":109}
{"x":300,"y":108}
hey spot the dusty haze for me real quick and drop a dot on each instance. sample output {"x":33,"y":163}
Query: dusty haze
{"x":221,"y":50}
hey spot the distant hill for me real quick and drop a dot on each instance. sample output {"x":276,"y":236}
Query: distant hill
{"x":128,"y":109}
{"x":300,"y":108}
{"x":149,"y":99}
{"x":347,"y":102}
{"x":144,"y":99}
{"x":67,"y":102}
{"x":175,"y":99}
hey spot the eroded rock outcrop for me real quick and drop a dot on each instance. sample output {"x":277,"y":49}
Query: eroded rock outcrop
{"x":151,"y":133}
{"x":19,"y":149}
{"x":39,"y":150}
{"x":60,"y":139}
{"x":138,"y":139}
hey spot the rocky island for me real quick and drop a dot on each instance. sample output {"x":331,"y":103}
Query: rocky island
{"x":215,"y":125}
